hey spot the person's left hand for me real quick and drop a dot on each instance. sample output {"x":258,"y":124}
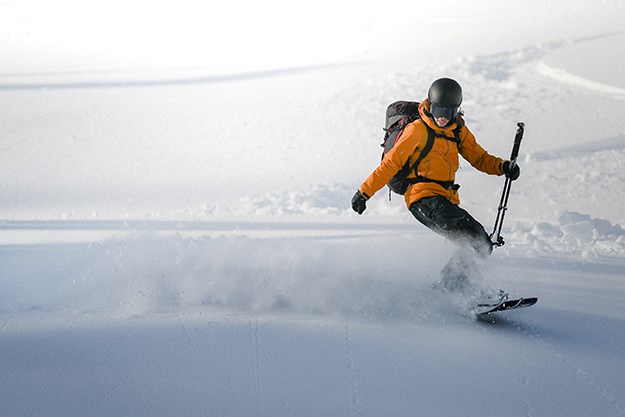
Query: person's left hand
{"x":511,"y":170}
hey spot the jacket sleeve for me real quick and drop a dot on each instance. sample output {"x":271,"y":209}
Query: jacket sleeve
{"x":393,"y":161}
{"x":476,"y":155}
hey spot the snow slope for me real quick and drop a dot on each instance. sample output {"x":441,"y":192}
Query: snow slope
{"x":175,"y":229}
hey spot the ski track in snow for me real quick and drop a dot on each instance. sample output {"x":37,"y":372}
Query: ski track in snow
{"x":255,"y":344}
{"x":128,"y":80}
{"x":534,"y":334}
{"x":561,"y":75}
{"x":352,"y":373}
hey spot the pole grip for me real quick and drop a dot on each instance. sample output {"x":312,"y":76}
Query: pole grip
{"x":517,"y":142}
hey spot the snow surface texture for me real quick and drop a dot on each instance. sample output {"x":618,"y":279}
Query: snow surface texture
{"x":175,"y":229}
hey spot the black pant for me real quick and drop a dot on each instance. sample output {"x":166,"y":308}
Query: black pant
{"x":456,"y":224}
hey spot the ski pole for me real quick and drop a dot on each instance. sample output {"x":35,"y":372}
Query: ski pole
{"x":495,"y":237}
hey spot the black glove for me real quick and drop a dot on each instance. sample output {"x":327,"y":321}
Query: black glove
{"x":359,"y":202}
{"x":511,"y":172}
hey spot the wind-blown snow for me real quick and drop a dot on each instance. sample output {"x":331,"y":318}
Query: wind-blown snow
{"x":176,"y":236}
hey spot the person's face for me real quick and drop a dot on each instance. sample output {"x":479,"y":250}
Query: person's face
{"x":442,"y":115}
{"x":441,"y":121}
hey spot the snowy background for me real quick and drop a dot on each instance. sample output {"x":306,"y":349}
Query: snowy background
{"x":175,"y":229}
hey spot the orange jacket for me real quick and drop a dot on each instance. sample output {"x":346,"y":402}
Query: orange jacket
{"x":440,"y":164}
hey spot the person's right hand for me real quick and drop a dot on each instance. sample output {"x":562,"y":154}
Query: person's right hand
{"x":359,"y":202}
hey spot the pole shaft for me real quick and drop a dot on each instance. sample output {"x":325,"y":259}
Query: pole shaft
{"x":495,"y":237}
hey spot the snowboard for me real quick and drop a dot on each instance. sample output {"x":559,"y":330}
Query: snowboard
{"x":485,"y":309}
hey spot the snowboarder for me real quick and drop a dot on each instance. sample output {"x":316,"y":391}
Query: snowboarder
{"x":432,"y":197}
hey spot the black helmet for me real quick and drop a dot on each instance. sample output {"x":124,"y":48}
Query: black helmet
{"x":445,"y":97}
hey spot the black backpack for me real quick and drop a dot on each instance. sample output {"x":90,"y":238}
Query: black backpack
{"x":398,"y":115}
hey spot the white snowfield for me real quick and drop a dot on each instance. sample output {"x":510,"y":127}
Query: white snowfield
{"x":176,"y":236}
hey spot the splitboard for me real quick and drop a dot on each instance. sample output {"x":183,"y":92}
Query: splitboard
{"x":484,"y":309}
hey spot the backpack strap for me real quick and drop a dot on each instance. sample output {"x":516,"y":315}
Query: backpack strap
{"x":449,"y":185}
{"x":426,"y":149}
